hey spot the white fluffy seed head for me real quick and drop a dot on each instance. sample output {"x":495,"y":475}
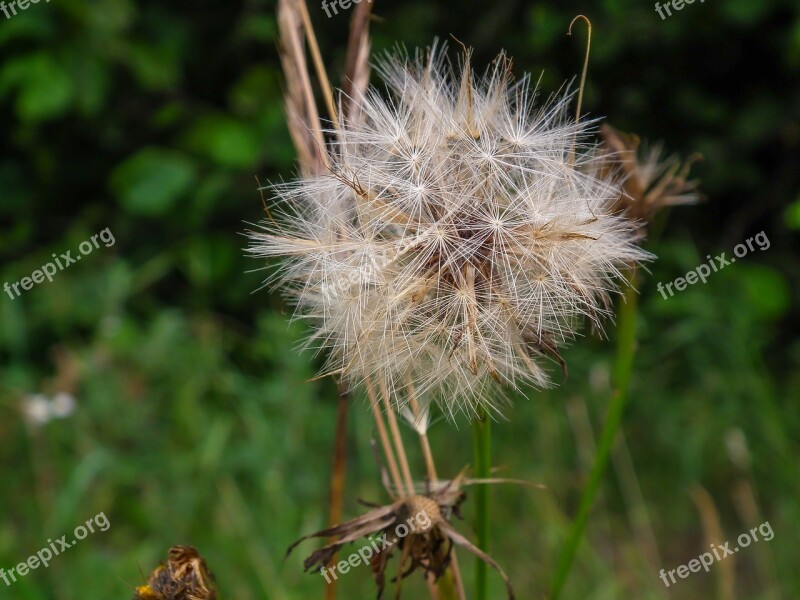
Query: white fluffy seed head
{"x":460,"y":237}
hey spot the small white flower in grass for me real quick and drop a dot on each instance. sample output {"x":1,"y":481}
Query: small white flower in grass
{"x":63,"y":405}
{"x":465,"y":232}
{"x":39,"y":410}
{"x":36,"y":409}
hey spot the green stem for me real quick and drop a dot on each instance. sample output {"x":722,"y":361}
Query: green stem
{"x":483,"y":464}
{"x":447,"y":587}
{"x":623,"y":364}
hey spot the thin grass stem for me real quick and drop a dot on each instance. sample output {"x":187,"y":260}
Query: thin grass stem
{"x":623,"y":364}
{"x":482,"y":437}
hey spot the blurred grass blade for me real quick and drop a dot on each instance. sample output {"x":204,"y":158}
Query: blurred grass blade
{"x":626,"y":348}
{"x":483,"y":464}
{"x":337,"y":475}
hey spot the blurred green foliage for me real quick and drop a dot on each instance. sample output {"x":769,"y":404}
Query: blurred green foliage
{"x":196,"y":421}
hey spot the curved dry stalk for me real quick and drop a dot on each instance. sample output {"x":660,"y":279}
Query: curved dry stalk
{"x":712,"y":531}
{"x":381,"y":427}
{"x":585,"y":62}
{"x":469,"y":546}
{"x":583,"y":75}
{"x":325,"y":84}
{"x":433,"y":478}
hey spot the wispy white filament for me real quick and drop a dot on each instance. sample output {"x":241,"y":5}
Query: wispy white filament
{"x":461,"y":236}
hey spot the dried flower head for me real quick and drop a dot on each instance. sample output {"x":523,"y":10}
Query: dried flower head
{"x":461,"y":235}
{"x":185,"y":577}
{"x":417,"y":526}
{"x":649,"y":182}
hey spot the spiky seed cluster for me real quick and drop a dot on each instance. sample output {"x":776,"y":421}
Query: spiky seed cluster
{"x":460,"y":236}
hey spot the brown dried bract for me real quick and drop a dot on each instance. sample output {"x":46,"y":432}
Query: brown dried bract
{"x":649,"y":183}
{"x":185,"y":577}
{"x":427,"y":548}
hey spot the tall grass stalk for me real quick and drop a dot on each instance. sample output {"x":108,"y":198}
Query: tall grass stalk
{"x":623,"y":364}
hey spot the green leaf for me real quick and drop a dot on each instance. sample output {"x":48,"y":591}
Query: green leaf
{"x":150,"y":182}
{"x":226,"y":141}
{"x":16,"y":30}
{"x":745,"y":12}
{"x":208,"y":260}
{"x":258,"y":27}
{"x":791,"y":215}
{"x":257,"y":88}
{"x":44,"y":87}
{"x":156,"y":67}
{"x":91,"y":74}
{"x":767,"y":292}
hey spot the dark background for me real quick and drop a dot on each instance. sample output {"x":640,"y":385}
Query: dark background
{"x":194,"y":421}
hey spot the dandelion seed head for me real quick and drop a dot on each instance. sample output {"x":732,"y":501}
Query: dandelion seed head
{"x":461,"y":236}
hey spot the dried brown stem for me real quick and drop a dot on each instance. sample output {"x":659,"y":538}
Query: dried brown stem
{"x":356,"y":75}
{"x":301,"y":109}
{"x":319,"y":66}
{"x":384,"y":438}
{"x":398,"y":439}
